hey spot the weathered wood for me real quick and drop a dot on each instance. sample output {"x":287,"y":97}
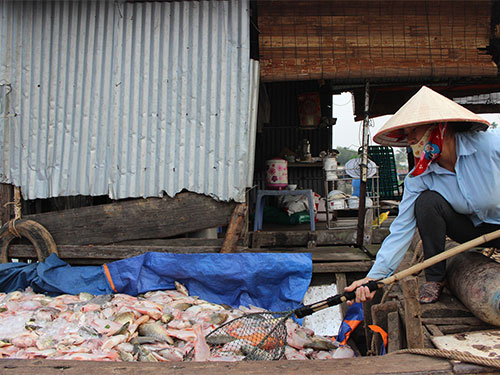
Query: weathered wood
{"x":473,"y":321}
{"x":325,"y":253}
{"x":293,"y":238}
{"x":395,"y":339}
{"x":170,"y":242}
{"x":373,"y":39}
{"x":342,"y":267}
{"x":447,"y":306}
{"x":234,"y":229}
{"x":379,"y":313}
{"x":394,"y":364}
{"x":413,"y":320}
{"x":461,"y":328}
{"x":434,"y":330}
{"x":341,"y":283}
{"x":109,"y":252}
{"x":6,"y":196}
{"x":135,"y":219}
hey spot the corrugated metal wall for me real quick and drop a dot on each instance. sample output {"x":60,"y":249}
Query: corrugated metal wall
{"x":125,"y":99}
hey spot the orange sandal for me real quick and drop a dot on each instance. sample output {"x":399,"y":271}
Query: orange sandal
{"x":430,"y":291}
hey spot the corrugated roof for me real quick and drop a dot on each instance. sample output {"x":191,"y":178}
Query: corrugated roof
{"x":125,"y":99}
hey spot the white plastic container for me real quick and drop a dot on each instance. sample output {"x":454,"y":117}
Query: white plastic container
{"x":330,"y":167}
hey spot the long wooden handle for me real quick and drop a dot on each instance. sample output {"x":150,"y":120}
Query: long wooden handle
{"x":440,"y":257}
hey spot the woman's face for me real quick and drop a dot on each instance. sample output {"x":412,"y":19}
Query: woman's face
{"x":416,"y":133}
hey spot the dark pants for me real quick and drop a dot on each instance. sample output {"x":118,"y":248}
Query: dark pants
{"x":436,"y":219}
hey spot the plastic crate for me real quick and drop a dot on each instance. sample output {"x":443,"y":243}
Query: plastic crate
{"x":383,"y":156}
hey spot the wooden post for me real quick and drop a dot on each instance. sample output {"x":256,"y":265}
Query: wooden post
{"x":234,"y":229}
{"x":394,"y":332}
{"x":6,"y":196}
{"x":341,"y":283}
{"x":413,"y":319}
{"x":364,"y":170}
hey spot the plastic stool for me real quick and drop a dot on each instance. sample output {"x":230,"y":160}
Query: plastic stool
{"x":259,"y":212}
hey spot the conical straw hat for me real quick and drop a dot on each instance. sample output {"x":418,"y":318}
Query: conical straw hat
{"x":425,"y":107}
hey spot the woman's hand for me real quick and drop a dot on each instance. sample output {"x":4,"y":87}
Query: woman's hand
{"x":363,"y":294}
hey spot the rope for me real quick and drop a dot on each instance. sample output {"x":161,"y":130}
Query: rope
{"x":452,"y":354}
{"x":17,"y":211}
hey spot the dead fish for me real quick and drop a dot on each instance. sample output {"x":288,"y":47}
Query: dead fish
{"x":113,"y":341}
{"x":101,"y":299}
{"x":31,"y":326}
{"x":46,"y":314}
{"x":146,"y":356}
{"x":219,"y":339}
{"x":167,"y":318}
{"x":140,"y":340}
{"x":183,"y":306}
{"x":85,"y":297}
{"x":172,"y":354}
{"x":125,"y":317}
{"x":125,"y":356}
{"x":89,"y":331}
{"x":155,"y":330}
{"x":122,"y":330}
{"x":321,"y":343}
{"x":181,"y":288}
{"x":253,"y":353}
{"x":218,"y":318}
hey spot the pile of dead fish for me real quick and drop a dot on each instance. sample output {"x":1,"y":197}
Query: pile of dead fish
{"x":157,"y":326}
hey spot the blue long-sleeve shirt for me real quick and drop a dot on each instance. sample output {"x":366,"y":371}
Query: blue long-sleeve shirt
{"x":473,"y":190}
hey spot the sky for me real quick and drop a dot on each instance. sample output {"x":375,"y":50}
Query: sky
{"x":347,"y":133}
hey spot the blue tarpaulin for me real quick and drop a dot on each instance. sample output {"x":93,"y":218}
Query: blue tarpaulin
{"x":276,"y":282}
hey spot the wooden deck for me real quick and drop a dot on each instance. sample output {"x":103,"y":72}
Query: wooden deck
{"x":389,"y":364}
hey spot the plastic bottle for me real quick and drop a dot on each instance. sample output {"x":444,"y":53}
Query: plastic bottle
{"x":379,"y":220}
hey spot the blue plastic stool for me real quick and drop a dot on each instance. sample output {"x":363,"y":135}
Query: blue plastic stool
{"x":259,"y":212}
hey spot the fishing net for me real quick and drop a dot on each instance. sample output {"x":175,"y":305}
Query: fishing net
{"x":256,"y":337}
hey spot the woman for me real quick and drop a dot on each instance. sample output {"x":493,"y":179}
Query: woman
{"x":454,"y":189}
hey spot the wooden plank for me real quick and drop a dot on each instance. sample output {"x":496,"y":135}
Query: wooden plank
{"x":324,"y":253}
{"x":395,"y":338}
{"x":135,"y":219}
{"x":171,"y":242}
{"x":235,"y":228}
{"x":413,"y":320}
{"x":379,"y":313}
{"x":107,"y":252}
{"x":341,"y":283}
{"x":293,"y":238}
{"x":434,"y":330}
{"x":6,"y":196}
{"x":456,"y":320}
{"x":411,"y":364}
{"x":342,"y":267}
{"x":461,"y":328}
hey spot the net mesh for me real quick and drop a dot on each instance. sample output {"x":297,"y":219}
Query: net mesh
{"x":257,"y":336}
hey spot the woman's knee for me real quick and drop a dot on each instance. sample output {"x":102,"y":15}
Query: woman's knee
{"x":427,"y":202}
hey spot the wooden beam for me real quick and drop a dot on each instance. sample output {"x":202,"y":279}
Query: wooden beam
{"x":413,"y":320}
{"x":135,"y":219}
{"x":6,"y":196}
{"x":296,"y":238}
{"x":395,"y":338}
{"x":408,"y":363}
{"x":235,"y":228}
{"x":342,"y":267}
{"x":341,"y":283}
